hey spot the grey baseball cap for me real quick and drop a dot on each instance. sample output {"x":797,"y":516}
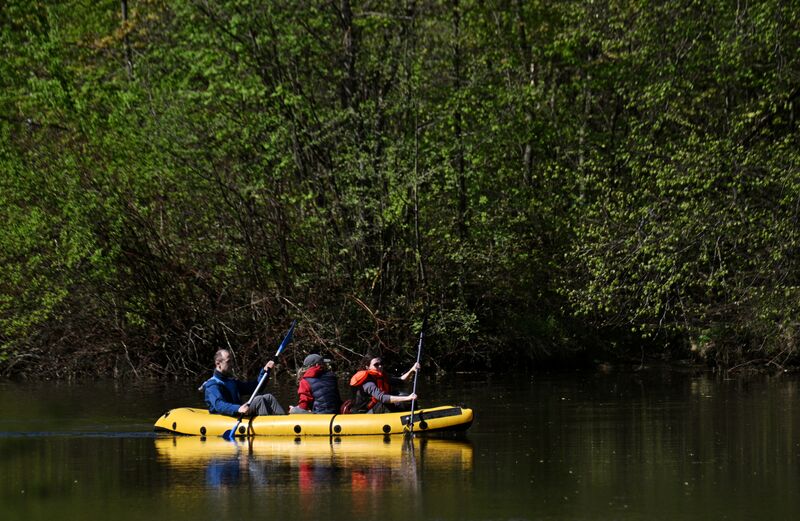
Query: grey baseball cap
{"x":313,"y":359}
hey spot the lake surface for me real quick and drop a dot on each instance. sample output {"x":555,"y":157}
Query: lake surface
{"x":581,"y":446}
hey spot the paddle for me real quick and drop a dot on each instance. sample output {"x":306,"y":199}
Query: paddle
{"x":231,"y":434}
{"x":414,"y":388}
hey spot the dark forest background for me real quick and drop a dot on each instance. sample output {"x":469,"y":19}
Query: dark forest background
{"x":549,"y":181}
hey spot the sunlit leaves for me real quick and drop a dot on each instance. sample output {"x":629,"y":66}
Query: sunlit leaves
{"x":526,"y":169}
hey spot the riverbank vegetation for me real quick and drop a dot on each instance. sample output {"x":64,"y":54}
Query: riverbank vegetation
{"x":548,"y":181}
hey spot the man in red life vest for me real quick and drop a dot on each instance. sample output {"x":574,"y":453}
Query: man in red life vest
{"x":373,"y":389}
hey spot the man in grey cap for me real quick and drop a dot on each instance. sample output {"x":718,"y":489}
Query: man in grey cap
{"x":318,"y":390}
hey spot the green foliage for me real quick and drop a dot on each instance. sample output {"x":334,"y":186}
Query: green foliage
{"x":688,"y":235}
{"x":531,"y":173}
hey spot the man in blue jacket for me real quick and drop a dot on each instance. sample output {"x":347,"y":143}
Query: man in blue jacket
{"x":224,"y":393}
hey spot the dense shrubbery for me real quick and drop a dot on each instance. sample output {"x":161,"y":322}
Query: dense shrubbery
{"x":560,"y":181}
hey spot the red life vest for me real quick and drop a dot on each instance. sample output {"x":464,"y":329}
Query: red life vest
{"x":380,"y":379}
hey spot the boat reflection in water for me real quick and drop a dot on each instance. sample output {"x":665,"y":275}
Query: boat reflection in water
{"x":365,"y":462}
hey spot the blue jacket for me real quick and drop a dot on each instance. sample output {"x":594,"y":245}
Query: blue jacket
{"x":224,"y":395}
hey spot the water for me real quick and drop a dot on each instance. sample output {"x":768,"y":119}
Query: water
{"x":647,"y":445}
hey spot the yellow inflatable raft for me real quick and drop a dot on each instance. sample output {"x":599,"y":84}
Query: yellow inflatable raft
{"x":200,"y":422}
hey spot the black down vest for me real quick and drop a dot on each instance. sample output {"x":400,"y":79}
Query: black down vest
{"x":326,"y":393}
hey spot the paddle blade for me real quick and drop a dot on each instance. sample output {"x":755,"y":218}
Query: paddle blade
{"x":286,"y":339}
{"x":231,"y":434}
